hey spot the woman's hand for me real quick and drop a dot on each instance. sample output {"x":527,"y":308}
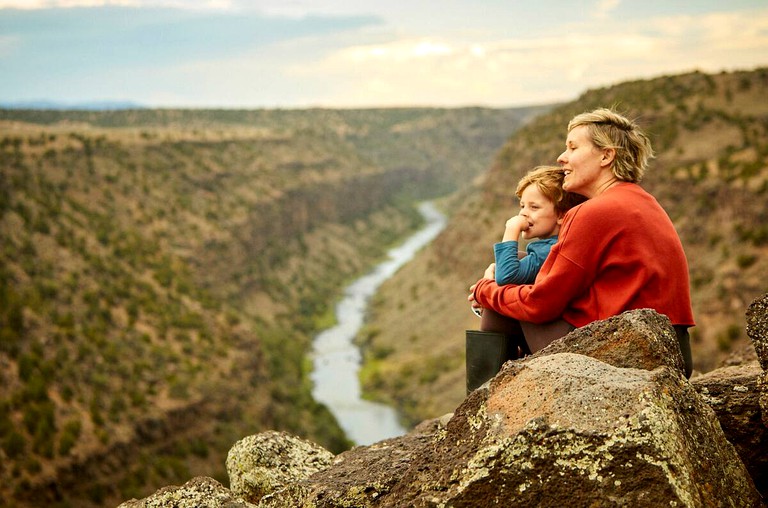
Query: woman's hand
{"x":471,"y":297}
{"x":490,"y":273}
{"x":476,"y":308}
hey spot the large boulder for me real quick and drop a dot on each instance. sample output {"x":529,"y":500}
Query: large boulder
{"x":568,"y":430}
{"x":265,"y":463}
{"x":641,"y":339}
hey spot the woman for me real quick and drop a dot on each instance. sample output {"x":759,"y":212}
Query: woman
{"x":617,"y":251}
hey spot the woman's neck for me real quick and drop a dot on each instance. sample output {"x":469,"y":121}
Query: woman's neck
{"x":604,"y":186}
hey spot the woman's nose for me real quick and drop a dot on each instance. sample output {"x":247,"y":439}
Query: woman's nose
{"x":561,"y":158}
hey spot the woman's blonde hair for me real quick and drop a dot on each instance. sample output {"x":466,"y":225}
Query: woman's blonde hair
{"x":609,"y":129}
{"x":549,"y":181}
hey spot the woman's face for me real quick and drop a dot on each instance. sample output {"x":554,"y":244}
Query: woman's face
{"x":586,"y":166}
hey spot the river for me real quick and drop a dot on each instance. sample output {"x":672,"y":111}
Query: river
{"x":336,"y":358}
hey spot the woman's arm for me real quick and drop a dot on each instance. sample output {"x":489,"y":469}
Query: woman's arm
{"x":567,"y":273}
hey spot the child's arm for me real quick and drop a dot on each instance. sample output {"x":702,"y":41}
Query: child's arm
{"x":511,"y":267}
{"x":506,"y":253}
{"x":514,"y":227}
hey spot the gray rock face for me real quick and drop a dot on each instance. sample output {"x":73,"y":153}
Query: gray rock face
{"x":604,"y":417}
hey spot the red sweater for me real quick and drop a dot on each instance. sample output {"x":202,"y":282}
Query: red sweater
{"x":616,"y":252}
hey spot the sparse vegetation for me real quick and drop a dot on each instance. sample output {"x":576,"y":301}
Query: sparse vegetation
{"x":162,"y":273}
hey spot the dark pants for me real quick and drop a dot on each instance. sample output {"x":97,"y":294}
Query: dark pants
{"x":529,"y":337}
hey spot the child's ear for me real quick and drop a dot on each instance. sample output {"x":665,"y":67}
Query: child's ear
{"x":560,"y":217}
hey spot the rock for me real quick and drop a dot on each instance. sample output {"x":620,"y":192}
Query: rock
{"x":642,"y":339}
{"x":568,"y":430}
{"x":755,"y":445}
{"x":266,"y":463}
{"x":732,"y":392}
{"x":742,"y":355}
{"x":362,"y":476}
{"x":757,"y":328}
{"x":199,"y":492}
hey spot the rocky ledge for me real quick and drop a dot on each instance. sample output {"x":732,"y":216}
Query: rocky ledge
{"x":603,"y":417}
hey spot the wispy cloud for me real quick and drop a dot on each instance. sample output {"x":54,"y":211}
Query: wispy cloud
{"x":604,"y":8}
{"x":538,"y":69}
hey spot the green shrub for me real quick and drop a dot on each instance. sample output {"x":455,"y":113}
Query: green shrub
{"x":727,"y":336}
{"x":69,"y":436}
{"x":745,"y":260}
{"x":13,"y":444}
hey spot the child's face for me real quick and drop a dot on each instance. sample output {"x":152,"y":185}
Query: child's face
{"x":539,"y":212}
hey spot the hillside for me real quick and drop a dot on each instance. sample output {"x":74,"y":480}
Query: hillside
{"x":710,"y":133}
{"x":162,"y":273}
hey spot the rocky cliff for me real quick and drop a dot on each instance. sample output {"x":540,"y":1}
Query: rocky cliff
{"x":602,"y":417}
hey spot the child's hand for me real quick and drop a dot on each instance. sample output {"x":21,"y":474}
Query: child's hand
{"x":519,"y":222}
{"x":490,"y":272}
{"x":515,"y":225}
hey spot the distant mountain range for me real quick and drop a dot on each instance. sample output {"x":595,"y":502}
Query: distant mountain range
{"x":88,"y":106}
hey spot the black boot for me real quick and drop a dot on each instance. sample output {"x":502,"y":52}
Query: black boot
{"x":486,"y":353}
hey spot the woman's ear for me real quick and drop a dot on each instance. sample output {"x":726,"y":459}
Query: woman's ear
{"x":609,"y":154}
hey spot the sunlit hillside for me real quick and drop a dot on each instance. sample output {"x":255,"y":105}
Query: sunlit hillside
{"x":710,"y":133}
{"x":162,"y":273}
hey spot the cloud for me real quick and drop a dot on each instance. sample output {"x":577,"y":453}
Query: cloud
{"x":68,"y":4}
{"x":605,"y":7}
{"x":297,"y":53}
{"x":538,"y":69}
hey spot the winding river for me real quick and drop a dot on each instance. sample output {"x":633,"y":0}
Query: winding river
{"x":337,"y":360}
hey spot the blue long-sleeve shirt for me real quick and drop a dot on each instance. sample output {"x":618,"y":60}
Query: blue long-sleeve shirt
{"x":510,"y":269}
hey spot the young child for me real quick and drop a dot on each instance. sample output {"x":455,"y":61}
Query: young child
{"x":543,"y":203}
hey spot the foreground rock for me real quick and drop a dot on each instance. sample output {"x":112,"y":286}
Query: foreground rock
{"x":200,"y":492}
{"x":604,"y":417}
{"x":733,"y":394}
{"x":271,"y":461}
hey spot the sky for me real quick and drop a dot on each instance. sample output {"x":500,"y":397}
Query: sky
{"x":362,"y":53}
